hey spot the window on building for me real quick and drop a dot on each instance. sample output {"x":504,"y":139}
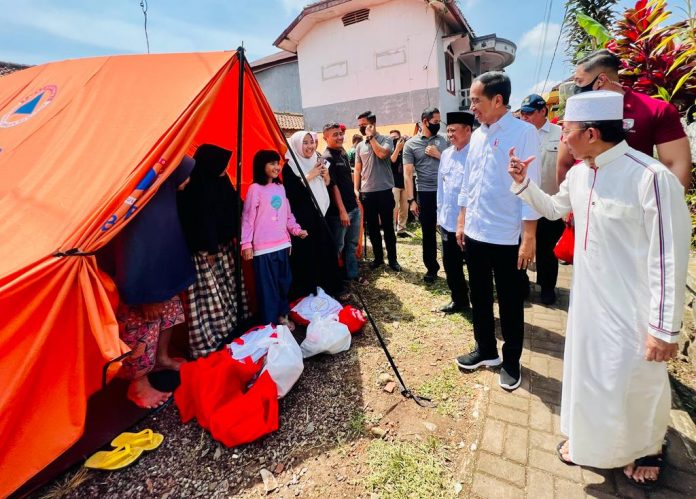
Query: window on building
{"x":450,"y":82}
{"x":356,"y":17}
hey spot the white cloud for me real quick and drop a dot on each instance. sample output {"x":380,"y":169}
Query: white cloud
{"x":532,"y":40}
{"x":295,"y":5}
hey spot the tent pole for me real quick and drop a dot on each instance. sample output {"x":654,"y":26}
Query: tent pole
{"x":237,"y":247}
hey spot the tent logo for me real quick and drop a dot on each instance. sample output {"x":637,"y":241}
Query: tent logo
{"x":29,"y":106}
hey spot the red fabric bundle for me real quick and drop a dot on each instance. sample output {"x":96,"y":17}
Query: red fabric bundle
{"x":295,"y":317}
{"x":565,"y":247}
{"x":213,"y":391}
{"x":352,"y":317}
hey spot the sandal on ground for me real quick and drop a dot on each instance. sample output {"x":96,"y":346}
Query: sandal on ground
{"x":653,"y":461}
{"x":147,"y":440}
{"x":559,"y":453}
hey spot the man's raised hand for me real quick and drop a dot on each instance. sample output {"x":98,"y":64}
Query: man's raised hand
{"x":517,"y":168}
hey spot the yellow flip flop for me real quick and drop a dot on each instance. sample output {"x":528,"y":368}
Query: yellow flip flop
{"x":114,"y":459}
{"x":146,"y":440}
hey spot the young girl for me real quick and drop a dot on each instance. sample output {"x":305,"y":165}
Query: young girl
{"x":267,"y":223}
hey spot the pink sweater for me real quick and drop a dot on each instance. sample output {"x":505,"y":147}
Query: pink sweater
{"x":267,"y":219}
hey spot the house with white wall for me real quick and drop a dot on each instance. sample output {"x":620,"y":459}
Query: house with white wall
{"x":393,"y":57}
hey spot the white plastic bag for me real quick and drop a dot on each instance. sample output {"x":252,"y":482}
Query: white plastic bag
{"x":325,"y":334}
{"x":321,"y":304}
{"x":254,"y":343}
{"x":284,"y":360}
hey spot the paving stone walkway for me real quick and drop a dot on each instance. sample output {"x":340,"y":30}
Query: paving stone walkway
{"x":516,"y":456}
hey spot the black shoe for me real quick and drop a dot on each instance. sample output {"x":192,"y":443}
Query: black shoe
{"x":474,"y":360}
{"x":403,"y":234}
{"x":395,"y":266}
{"x":510,"y":378}
{"x":547,"y":296}
{"x":375,"y":264}
{"x":453,"y":307}
{"x":430,"y":277}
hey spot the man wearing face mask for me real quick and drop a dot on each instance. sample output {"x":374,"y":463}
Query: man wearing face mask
{"x":373,"y":182}
{"x":400,"y":194}
{"x":655,"y":123}
{"x":422,"y":153}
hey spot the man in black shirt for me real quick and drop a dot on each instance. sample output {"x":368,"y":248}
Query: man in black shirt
{"x":400,"y":195}
{"x":343,"y":215}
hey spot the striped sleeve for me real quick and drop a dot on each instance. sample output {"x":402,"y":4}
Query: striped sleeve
{"x":668,"y":229}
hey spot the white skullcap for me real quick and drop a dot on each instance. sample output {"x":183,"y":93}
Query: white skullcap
{"x":599,"y":105}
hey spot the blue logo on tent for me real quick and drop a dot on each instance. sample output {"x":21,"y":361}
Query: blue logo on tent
{"x":29,"y":106}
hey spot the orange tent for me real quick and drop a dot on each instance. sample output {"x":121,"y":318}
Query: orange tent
{"x":83,"y":144}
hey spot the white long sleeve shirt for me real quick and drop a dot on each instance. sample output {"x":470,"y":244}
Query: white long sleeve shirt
{"x":449,"y":183}
{"x":632,"y":236}
{"x":494,"y":214}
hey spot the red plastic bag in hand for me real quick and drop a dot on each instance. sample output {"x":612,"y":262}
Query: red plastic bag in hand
{"x":565,"y":247}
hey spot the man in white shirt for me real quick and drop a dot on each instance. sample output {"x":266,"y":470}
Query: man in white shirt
{"x":449,"y":183}
{"x":631,"y":254}
{"x":533,"y":110}
{"x":488,"y":227}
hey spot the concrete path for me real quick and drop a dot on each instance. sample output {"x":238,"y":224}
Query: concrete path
{"x":516,"y":456}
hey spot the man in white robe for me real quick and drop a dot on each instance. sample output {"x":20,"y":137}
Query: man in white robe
{"x":632,"y":236}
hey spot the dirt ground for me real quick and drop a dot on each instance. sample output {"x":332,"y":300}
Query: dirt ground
{"x":341,"y":433}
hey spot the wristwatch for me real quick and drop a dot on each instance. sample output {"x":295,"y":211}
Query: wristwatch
{"x":409,"y":201}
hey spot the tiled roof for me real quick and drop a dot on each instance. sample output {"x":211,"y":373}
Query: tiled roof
{"x":10,"y":67}
{"x":273,"y":59}
{"x":290,"y":121}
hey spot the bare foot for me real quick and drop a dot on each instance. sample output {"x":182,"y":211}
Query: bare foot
{"x":142,"y":394}
{"x":565,"y":452}
{"x":642,"y":474}
{"x":166,"y":362}
{"x":284,"y":321}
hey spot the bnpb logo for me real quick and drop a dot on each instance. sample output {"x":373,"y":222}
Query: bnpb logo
{"x":29,"y":106}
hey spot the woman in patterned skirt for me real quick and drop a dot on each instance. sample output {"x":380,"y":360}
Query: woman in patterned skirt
{"x":209,"y":216}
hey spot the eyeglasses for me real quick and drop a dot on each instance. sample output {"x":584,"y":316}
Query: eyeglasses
{"x":566,"y":131}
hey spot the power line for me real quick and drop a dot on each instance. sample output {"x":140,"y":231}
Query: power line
{"x":542,"y":46}
{"x":143,"y":5}
{"x":555,"y":49}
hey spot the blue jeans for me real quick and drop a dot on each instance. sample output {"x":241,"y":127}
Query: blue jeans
{"x":347,"y":238}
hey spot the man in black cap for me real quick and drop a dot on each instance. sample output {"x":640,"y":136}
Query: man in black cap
{"x":422,"y":155}
{"x":449,"y":183}
{"x":548,"y":232}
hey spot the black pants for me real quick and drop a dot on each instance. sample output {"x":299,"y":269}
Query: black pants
{"x":485,"y":262}
{"x":379,"y":214}
{"x":547,"y":235}
{"x":453,"y":260}
{"x":427,"y":204}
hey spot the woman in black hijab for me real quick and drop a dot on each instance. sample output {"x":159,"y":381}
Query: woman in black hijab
{"x":209,"y":216}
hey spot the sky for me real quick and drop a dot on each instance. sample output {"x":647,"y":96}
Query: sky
{"x":38,"y":31}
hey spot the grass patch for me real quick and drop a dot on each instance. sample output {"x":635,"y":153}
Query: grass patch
{"x":444,"y":389}
{"x":67,"y":486}
{"x":406,"y":470}
{"x":356,"y":423}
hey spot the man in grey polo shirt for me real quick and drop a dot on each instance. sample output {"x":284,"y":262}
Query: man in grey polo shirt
{"x":373,"y":180}
{"x":422,"y":152}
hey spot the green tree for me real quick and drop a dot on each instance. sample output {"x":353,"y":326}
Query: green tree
{"x":578,"y":43}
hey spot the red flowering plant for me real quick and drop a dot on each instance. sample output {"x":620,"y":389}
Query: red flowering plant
{"x":657,"y":60}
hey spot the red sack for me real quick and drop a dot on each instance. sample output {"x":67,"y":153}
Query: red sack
{"x":248,"y":416}
{"x":565,"y":246}
{"x":352,"y":317}
{"x":295,"y":317}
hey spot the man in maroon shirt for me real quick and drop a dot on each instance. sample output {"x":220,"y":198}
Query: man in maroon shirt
{"x":655,"y":122}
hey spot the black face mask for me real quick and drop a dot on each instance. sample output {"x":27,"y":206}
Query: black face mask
{"x":433,"y":128}
{"x":395,"y":141}
{"x":585,"y":88}
{"x":362,"y":129}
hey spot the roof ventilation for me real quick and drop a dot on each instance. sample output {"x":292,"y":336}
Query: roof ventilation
{"x":356,"y":16}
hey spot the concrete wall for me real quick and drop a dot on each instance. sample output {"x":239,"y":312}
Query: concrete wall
{"x":281,"y":85}
{"x":383,"y":64}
